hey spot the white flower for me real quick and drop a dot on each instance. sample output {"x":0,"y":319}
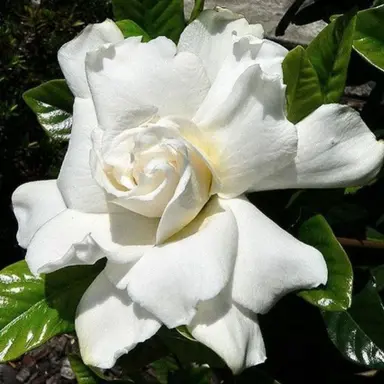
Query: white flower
{"x":165,"y":141}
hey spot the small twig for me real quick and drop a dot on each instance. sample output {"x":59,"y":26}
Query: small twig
{"x":347,"y":242}
{"x":288,"y":17}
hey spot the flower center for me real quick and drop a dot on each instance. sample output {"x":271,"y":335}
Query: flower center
{"x":141,"y":168}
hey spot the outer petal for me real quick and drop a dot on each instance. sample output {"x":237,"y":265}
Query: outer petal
{"x":249,"y":134}
{"x":211,"y":37}
{"x":79,"y":189}
{"x":74,"y":237}
{"x":195,"y":264}
{"x":270,"y":262}
{"x":335,"y":149}
{"x":132,"y":81}
{"x":232,"y":332}
{"x":108,"y":324}
{"x":72,"y":54}
{"x":34,"y":204}
{"x":270,"y":57}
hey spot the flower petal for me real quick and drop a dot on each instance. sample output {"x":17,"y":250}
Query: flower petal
{"x":34,"y":204}
{"x":73,"y":238}
{"x":191,"y":194}
{"x":108,"y":324}
{"x":118,"y":274}
{"x":212,"y":34}
{"x":335,"y":149}
{"x":270,"y":262}
{"x":195,"y":264}
{"x":72,"y":54}
{"x":270,"y":58}
{"x":146,"y":192}
{"x":249,"y":134}
{"x":80,"y":191}
{"x":232,"y":332}
{"x":132,"y":81}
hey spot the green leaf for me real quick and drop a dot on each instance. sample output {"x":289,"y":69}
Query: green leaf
{"x":52,"y":102}
{"x":197,"y":9}
{"x":130,"y":28}
{"x":163,"y":367}
{"x":374,"y":235}
{"x":369,"y":36}
{"x":303,"y":92}
{"x":353,"y":190}
{"x":329,"y":54}
{"x":34,"y":309}
{"x":184,"y":331}
{"x":336,"y":295}
{"x":157,"y":17}
{"x":84,"y":375}
{"x":358,"y":333}
{"x":378,"y":273}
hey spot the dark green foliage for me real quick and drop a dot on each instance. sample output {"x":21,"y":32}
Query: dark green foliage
{"x":157,"y":17}
{"x":336,"y":294}
{"x":358,"y":332}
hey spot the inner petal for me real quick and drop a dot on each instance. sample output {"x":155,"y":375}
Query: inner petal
{"x":147,"y":169}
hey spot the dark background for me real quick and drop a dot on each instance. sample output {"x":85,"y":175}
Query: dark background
{"x":30,"y":36}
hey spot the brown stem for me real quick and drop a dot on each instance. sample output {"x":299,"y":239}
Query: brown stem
{"x":347,"y":242}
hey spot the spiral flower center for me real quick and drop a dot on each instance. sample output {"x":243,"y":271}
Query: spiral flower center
{"x":141,"y":168}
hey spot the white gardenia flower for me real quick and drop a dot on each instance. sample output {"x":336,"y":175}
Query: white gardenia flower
{"x":165,"y":141}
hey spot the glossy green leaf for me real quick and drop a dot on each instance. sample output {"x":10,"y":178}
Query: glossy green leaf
{"x":336,"y":295}
{"x":34,"y":309}
{"x":197,"y":9}
{"x":52,"y":102}
{"x":358,"y":333}
{"x":303,"y":92}
{"x":129,"y":28}
{"x":157,"y":17}
{"x":84,"y":375}
{"x":369,"y":36}
{"x":329,"y":54}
